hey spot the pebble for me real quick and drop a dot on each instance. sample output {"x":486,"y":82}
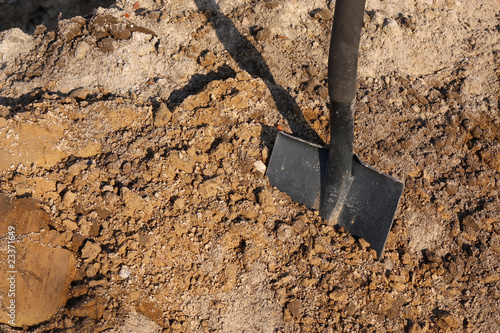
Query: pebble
{"x":179,"y":203}
{"x":322,"y":91}
{"x":323,"y":14}
{"x":108,"y":45}
{"x":80,"y":93}
{"x":284,"y":232}
{"x":107,"y":188}
{"x":22,"y":189}
{"x":338,"y":295}
{"x":260,"y":167}
{"x":391,"y":27}
{"x":162,"y":116}
{"x":388,"y":264}
{"x":70,"y":225}
{"x":266,"y":200}
{"x":295,"y":307}
{"x":124,"y":272}
{"x":81,"y":50}
{"x":207,"y":59}
{"x":91,"y":250}
{"x":69,"y":198}
{"x":263,"y":34}
{"x":377,"y":19}
{"x":4,"y":112}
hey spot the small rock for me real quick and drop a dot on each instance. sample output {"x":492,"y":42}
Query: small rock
{"x":113,"y":168}
{"x":127,"y":167}
{"x":322,"y":14}
{"x":388,"y":264}
{"x":287,"y":316}
{"x":90,"y":251}
{"x":155,"y":15}
{"x":422,"y":99}
{"x":377,"y":18}
{"x":491,"y":278}
{"x":22,"y":189}
{"x":179,"y":203}
{"x":119,"y":32}
{"x":70,"y":225}
{"x":78,"y":167}
{"x":284,"y":232}
{"x":310,"y":85}
{"x":111,"y":199}
{"x":43,"y":186}
{"x":124,"y":272}
{"x":470,"y":222}
{"x":108,"y":45}
{"x":295,"y":307}
{"x":80,"y":93}
{"x":266,"y":200}
{"x":364,"y":244}
{"x":209,"y":188}
{"x":136,"y":322}
{"x":176,"y":162}
{"x":71,"y":28}
{"x":447,"y":321}
{"x":260,"y":167}
{"x":76,"y":242}
{"x":134,"y":202}
{"x":207,"y":59}
{"x":92,"y":270}
{"x":89,"y":307}
{"x":107,"y":188}
{"x":338,"y":295}
{"x":95,"y":229}
{"x":81,"y":50}
{"x":321,"y":90}
{"x":391,"y":27}
{"x":69,"y":198}
{"x":162,"y":116}
{"x":4,"y":111}
{"x":263,"y":34}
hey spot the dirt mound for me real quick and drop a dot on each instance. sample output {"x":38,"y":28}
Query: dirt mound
{"x":144,"y":131}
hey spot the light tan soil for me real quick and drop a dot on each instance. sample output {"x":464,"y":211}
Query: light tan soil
{"x":143,"y":133}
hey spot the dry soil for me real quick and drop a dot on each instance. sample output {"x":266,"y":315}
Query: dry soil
{"x":133,"y":151}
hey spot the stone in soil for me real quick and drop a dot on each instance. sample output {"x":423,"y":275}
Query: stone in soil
{"x":37,"y":276}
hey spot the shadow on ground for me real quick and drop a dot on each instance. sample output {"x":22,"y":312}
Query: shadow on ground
{"x":27,"y":14}
{"x":250,"y":60}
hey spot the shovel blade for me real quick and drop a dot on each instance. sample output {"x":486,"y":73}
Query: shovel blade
{"x":297,"y":167}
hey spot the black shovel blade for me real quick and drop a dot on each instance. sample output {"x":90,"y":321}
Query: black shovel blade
{"x":297,"y":167}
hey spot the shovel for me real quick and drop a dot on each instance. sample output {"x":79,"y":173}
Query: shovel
{"x":346,"y":191}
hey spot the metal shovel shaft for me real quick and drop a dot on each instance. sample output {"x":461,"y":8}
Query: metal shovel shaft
{"x":342,"y":78}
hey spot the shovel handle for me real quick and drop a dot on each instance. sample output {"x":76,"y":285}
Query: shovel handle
{"x":344,"y":46}
{"x":342,"y":78}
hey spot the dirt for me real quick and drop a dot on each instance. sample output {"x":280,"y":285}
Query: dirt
{"x":143,"y":131}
